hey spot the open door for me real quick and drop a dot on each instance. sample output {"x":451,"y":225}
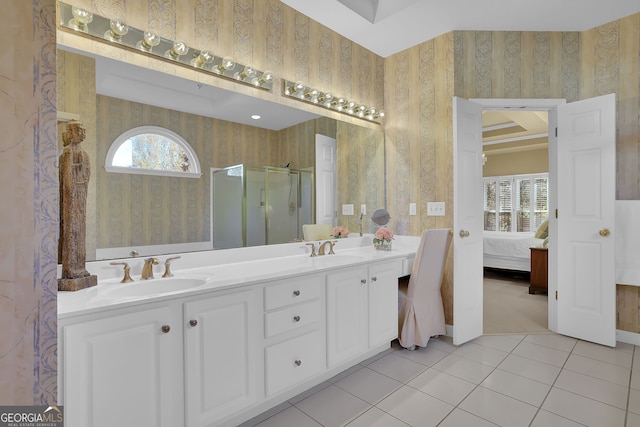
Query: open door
{"x":326,"y":191}
{"x":467,"y":220}
{"x":586,"y":220}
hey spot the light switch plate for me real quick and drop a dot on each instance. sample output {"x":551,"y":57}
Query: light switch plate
{"x":347,"y":209}
{"x":435,"y":209}
{"x":412,"y":209}
{"x":363,"y":209}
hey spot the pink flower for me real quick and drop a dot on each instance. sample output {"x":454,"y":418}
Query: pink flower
{"x":383,"y":234}
{"x":340,"y":231}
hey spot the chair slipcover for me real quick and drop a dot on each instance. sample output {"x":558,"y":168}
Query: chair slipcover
{"x":421,"y":313}
{"x":317,"y":231}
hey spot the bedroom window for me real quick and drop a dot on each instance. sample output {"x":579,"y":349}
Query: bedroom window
{"x":515,"y":203}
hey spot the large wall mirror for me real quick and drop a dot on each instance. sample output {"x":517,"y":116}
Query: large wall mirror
{"x":164,"y":214}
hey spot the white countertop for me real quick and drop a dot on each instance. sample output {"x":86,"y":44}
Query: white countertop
{"x":218,"y":270}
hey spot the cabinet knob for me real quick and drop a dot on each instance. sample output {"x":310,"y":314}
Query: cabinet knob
{"x":166,"y":329}
{"x":296,"y":293}
{"x":604,"y":232}
{"x":374,"y":279}
{"x":298,"y":362}
{"x":464,"y":233}
{"x":363,"y":281}
{"x":296,"y":318}
{"x":193,"y":322}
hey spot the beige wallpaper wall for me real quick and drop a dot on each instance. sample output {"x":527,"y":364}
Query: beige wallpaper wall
{"x":29,"y":212}
{"x":516,"y":163}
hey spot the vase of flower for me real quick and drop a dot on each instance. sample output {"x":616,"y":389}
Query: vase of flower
{"x":339,"y":232}
{"x":382,"y":239}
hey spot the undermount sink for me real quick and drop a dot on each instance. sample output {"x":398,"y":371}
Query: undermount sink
{"x":156,"y":286}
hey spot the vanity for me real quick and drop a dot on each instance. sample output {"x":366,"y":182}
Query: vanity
{"x":223,"y":341}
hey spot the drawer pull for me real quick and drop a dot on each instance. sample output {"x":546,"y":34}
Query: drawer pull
{"x":193,"y":322}
{"x":296,"y":293}
{"x":363,"y":281}
{"x":374,"y":279}
{"x":298,"y":362}
{"x":165,"y":329}
{"x":296,"y":318}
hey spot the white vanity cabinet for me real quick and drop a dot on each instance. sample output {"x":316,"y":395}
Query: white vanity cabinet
{"x":222,"y":356}
{"x":124,"y":369}
{"x":362,"y":310}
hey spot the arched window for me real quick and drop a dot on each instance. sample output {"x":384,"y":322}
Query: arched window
{"x":152,"y":150}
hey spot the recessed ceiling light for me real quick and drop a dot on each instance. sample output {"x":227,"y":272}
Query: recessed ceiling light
{"x":256,"y":116}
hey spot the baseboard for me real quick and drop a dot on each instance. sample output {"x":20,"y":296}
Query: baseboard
{"x":449,"y":329}
{"x":628,"y":337}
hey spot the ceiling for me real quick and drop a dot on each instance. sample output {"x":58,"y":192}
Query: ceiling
{"x":508,"y":131}
{"x":386,"y":27}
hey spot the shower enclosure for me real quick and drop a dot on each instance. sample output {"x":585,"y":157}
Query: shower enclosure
{"x":260,"y":205}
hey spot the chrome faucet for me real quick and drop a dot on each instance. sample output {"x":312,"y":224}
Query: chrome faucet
{"x":147,"y":269}
{"x":167,"y":265}
{"x":322,"y":248}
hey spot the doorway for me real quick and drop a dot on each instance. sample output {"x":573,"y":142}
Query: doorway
{"x":515,"y":158}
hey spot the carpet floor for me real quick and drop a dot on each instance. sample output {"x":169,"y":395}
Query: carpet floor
{"x":508,"y":306}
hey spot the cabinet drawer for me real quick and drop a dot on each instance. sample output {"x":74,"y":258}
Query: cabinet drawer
{"x":291,"y":318}
{"x":292,"y":291}
{"x":293,"y":361}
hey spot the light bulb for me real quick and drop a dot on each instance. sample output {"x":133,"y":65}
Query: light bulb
{"x":247,"y":73}
{"x":227,"y":64}
{"x":117,"y":29}
{"x":179,"y":48}
{"x":203,"y":58}
{"x":148,"y":42}
{"x":81,"y":18}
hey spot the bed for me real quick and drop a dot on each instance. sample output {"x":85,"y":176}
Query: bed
{"x":508,"y":251}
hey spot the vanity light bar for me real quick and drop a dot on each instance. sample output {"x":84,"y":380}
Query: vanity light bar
{"x":116,"y":31}
{"x":300,"y":91}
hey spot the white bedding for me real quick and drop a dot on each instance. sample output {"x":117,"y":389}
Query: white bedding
{"x":509,"y":251}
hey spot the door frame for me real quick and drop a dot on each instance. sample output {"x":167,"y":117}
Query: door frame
{"x":551,"y":106}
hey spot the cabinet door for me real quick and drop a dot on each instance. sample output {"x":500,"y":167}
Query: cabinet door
{"x":383,"y":303}
{"x":346,"y":315}
{"x":221,"y":356}
{"x":125,"y":370}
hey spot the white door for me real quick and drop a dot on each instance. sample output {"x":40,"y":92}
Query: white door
{"x":326,"y":193}
{"x":467,"y":220}
{"x":586,"y":215}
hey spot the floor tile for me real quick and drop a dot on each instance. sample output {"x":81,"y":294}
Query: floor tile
{"x":460,"y":418}
{"x":291,"y":417}
{"x":369,"y":385}
{"x":529,"y":368}
{"x":516,"y":386}
{"x":463,"y":368}
{"x":548,"y":419}
{"x":583,"y":410}
{"x":596,"y":368}
{"x":333,"y":406}
{"x":415,"y":407}
{"x":635,"y":378}
{"x":593,"y":388}
{"x":541,"y":353}
{"x":443,"y":344}
{"x":615,"y":356}
{"x":374,"y":417}
{"x":555,"y":341}
{"x":633,"y":420}
{"x":377,"y":357}
{"x":345,"y":373}
{"x":266,"y":414}
{"x":479,"y":353}
{"x":310,"y":392}
{"x":397,"y":367}
{"x":634,"y":401}
{"x":498,"y":408}
{"x":427,"y":356}
{"x":442,"y":386}
{"x":623,"y":346}
{"x":500,"y":342}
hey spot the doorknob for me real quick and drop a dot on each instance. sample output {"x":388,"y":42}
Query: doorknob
{"x":604,"y":232}
{"x":464,"y":233}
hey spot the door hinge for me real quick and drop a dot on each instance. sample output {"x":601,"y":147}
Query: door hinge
{"x":556,"y":132}
{"x":556,"y":295}
{"x":556,"y":213}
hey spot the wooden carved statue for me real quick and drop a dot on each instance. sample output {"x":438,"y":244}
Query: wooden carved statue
{"x":75,"y":171}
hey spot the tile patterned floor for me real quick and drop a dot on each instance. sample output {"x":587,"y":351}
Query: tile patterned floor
{"x":542,"y":380}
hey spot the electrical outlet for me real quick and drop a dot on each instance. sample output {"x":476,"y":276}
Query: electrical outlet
{"x":363,"y":209}
{"x":412,"y":209}
{"x":435,"y":209}
{"x":347,"y":209}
